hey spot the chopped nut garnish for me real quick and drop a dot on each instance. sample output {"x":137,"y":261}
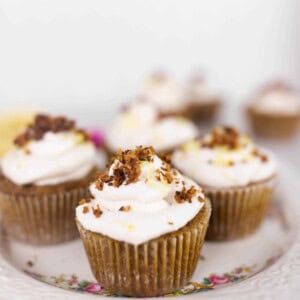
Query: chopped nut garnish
{"x":185,"y":195}
{"x":170,"y":223}
{"x":85,"y":209}
{"x":223,"y":136}
{"x":125,"y":208}
{"x":127,"y":167}
{"x":201,"y":199}
{"x":82,"y":201}
{"x":263,"y":157}
{"x":97,"y":211}
{"x":43,"y":124}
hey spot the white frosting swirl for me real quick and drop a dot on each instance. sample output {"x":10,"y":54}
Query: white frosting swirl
{"x":164,"y":92}
{"x":56,"y":158}
{"x":199,"y":91}
{"x":222,"y":167}
{"x":139,"y":125}
{"x":153,"y":209}
{"x":278,"y":102}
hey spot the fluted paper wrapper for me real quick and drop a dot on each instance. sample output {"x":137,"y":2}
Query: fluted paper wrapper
{"x":238,"y":212}
{"x":203,"y":112}
{"x":41,"y":220}
{"x":154,"y":268}
{"x":277,"y":126}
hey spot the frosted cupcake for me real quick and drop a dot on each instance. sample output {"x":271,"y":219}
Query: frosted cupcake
{"x":235,"y":175}
{"x":275,"y":110}
{"x":165,"y":93}
{"x":202,"y":101}
{"x":141,"y":124}
{"x":144,"y":226}
{"x":43,"y":179}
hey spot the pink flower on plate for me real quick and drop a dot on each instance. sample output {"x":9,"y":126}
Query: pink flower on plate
{"x":97,"y":137}
{"x":72,"y":281}
{"x":93,"y":288}
{"x":219,"y":279}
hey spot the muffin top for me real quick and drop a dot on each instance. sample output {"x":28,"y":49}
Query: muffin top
{"x":224,"y":158}
{"x":139,"y":197}
{"x":141,"y":124}
{"x":49,"y":151}
{"x":277,"y":98}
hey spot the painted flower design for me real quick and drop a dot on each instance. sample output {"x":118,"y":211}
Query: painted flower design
{"x":93,"y":288}
{"x":219,"y":279}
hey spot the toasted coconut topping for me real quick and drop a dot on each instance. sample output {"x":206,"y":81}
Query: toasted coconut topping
{"x":223,"y":136}
{"x":43,"y":124}
{"x":127,"y":167}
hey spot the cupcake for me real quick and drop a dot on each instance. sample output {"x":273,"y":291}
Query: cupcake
{"x":165,"y":93}
{"x":202,"y":101}
{"x":275,"y":111}
{"x":236,"y":176}
{"x":140,"y":123}
{"x":144,"y":226}
{"x":43,"y":178}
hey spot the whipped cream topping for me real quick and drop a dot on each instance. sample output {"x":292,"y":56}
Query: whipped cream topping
{"x":164,"y":92}
{"x":224,"y":160}
{"x":199,"y":91}
{"x":277,"y":98}
{"x":147,"y":206}
{"x":52,"y":158}
{"x":140,"y":124}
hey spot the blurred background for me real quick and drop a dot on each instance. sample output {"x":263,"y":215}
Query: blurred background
{"x":83,"y":58}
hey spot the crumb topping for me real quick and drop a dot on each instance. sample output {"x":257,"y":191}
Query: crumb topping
{"x":44,"y":123}
{"x":97,"y":211}
{"x":223,"y":136}
{"x":125,"y":208}
{"x":186,"y":195}
{"x":127,"y":168}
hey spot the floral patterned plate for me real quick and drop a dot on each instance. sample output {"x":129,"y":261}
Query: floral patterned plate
{"x":264,"y":264}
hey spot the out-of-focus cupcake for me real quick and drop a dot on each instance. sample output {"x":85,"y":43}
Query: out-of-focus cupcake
{"x":144,"y":226}
{"x":235,"y":175}
{"x":202,"y":101}
{"x":11,"y":123}
{"x":43,"y":179}
{"x":165,"y":93}
{"x":275,"y":110}
{"x":140,"y":123}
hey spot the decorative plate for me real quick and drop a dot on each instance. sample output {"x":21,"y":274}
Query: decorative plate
{"x":265,"y":265}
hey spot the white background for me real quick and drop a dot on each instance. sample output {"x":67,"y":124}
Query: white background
{"x":84,"y":57}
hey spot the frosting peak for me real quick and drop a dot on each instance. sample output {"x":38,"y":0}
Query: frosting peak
{"x":136,"y":190}
{"x":50,"y":151}
{"x":224,"y":158}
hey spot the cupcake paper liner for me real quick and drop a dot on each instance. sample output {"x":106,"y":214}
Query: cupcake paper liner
{"x":41,"y":220}
{"x":238,"y":212}
{"x":202,"y":112}
{"x":154,"y":268}
{"x":278,"y":126}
